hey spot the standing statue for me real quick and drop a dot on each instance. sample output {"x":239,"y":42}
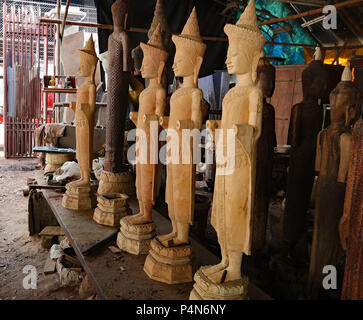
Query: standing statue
{"x":115,"y":174}
{"x":152,"y":104}
{"x":351,"y":223}
{"x":78,"y":195}
{"x":332,"y":162}
{"x":234,"y":192}
{"x":265,"y":155}
{"x":305,"y":123}
{"x":170,"y":256}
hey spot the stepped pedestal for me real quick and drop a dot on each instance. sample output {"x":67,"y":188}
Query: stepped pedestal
{"x":170,"y":265}
{"x":204,"y":289}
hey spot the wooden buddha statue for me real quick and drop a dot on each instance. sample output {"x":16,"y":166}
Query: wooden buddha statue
{"x":305,"y":123}
{"x":152,"y":104}
{"x":234,"y":191}
{"x":351,"y":223}
{"x":185,"y":113}
{"x":113,"y":184}
{"x":265,"y":155}
{"x":332,"y":162}
{"x":151,"y":108}
{"x":78,"y":195}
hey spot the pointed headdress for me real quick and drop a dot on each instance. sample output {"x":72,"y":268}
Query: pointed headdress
{"x":347,"y":74}
{"x":190,"y":36}
{"x":246,"y":27}
{"x":155,"y":45}
{"x":89,"y":51}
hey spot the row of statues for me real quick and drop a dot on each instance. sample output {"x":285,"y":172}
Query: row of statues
{"x":240,"y":208}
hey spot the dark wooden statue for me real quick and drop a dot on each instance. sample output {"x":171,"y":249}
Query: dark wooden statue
{"x":137,"y":53}
{"x":115,"y":179}
{"x":118,"y":87}
{"x":265,"y":151}
{"x":351,"y":224}
{"x":332,"y":162}
{"x":305,"y":123}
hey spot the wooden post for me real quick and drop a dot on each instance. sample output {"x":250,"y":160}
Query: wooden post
{"x":57,"y":60}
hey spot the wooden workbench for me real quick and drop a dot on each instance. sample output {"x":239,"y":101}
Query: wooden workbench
{"x":122,"y":276}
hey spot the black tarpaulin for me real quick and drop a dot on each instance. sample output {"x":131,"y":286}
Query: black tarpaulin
{"x":211,"y":24}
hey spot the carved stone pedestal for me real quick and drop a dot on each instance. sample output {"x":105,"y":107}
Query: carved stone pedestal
{"x":55,"y":160}
{"x":78,"y":198}
{"x":170,"y":265}
{"x":204,"y":289}
{"x":116,"y":182}
{"x":135,"y":239}
{"x":111,"y":208}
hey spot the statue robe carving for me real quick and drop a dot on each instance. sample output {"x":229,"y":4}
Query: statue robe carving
{"x":332,"y":161}
{"x":305,"y":123}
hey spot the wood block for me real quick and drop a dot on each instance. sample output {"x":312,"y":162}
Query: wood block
{"x":47,"y":241}
{"x":26,"y":192}
{"x":31,"y":181}
{"x":73,"y":260}
{"x":52,"y":231}
{"x":114,"y":249}
{"x":49,"y":266}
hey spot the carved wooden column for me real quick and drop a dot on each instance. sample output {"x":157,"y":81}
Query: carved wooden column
{"x":115,"y":176}
{"x":351,"y":224}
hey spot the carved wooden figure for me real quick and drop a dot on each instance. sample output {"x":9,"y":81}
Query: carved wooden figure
{"x":351,"y":223}
{"x":152,"y":104}
{"x":78,"y":195}
{"x":305,"y":123}
{"x":234,"y":192}
{"x":185,"y":113}
{"x":114,"y":175}
{"x":265,"y":153}
{"x":332,"y":162}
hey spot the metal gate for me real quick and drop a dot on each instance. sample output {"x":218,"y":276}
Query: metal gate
{"x":28,"y":45}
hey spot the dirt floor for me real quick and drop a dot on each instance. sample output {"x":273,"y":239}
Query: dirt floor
{"x":17,"y":248}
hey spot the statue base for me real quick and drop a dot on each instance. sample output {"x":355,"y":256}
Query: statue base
{"x":205,"y":289}
{"x":111,"y":207}
{"x":135,"y":239}
{"x":170,"y":265}
{"x":122,"y":182}
{"x":55,"y":160}
{"x":78,"y":198}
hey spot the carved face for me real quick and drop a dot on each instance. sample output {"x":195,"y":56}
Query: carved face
{"x":183,"y":65}
{"x":239,"y":59}
{"x":149,"y":69}
{"x":314,"y":79}
{"x":266,"y":80}
{"x":344,"y":106}
{"x":84,"y":69}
